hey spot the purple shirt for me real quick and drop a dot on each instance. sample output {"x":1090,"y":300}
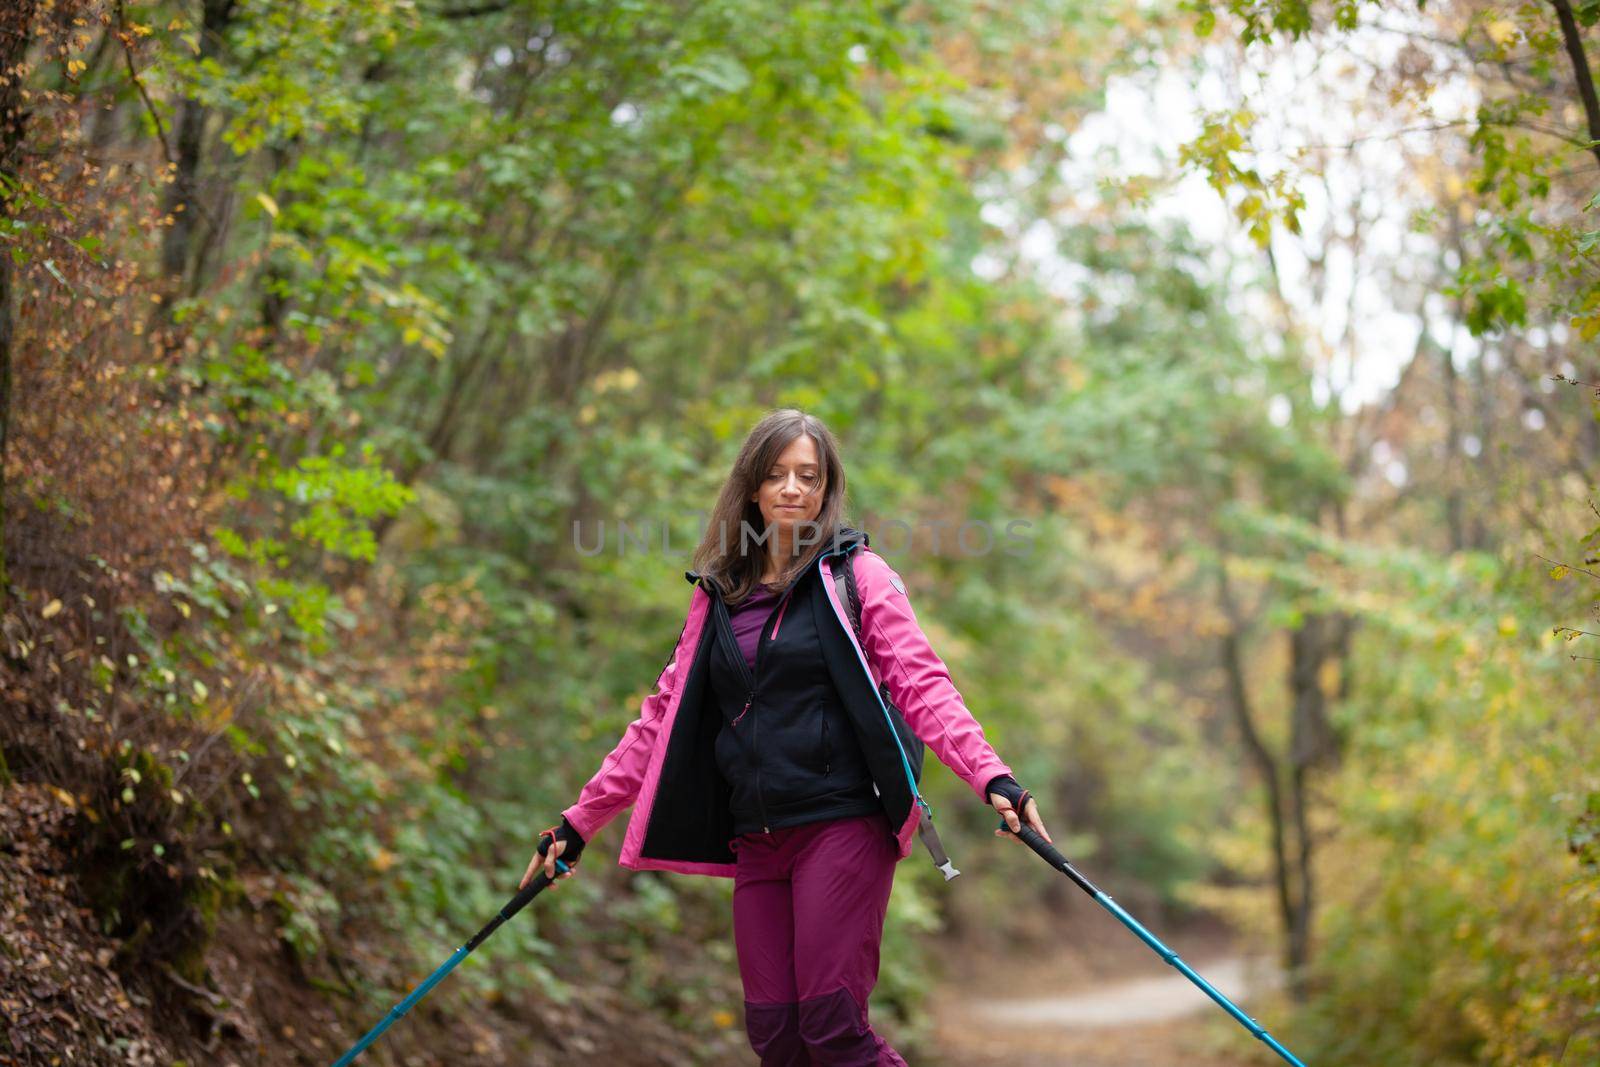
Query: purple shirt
{"x":748,"y":619}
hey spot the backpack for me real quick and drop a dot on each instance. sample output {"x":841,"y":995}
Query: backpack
{"x":844,"y":582}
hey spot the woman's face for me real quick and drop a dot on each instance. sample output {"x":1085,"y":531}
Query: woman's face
{"x":791,"y":491}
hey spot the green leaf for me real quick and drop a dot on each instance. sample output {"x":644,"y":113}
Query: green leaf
{"x":720,"y":71}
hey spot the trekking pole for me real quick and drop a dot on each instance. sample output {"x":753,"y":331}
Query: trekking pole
{"x":1053,"y":856}
{"x":516,"y":904}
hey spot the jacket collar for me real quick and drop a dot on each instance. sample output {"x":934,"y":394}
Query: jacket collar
{"x":844,"y":541}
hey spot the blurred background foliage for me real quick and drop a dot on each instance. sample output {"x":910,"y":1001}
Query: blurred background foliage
{"x":333,"y":333}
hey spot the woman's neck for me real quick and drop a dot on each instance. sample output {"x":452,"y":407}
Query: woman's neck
{"x":777,"y":559}
{"x":773,"y":569}
{"x":780,"y":557}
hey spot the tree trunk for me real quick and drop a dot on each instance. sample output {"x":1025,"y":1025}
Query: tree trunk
{"x":15,"y":32}
{"x":1266,"y":766}
{"x":1320,"y":641}
{"x":182,"y":195}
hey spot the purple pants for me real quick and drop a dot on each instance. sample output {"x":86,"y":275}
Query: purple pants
{"x":808,"y":909}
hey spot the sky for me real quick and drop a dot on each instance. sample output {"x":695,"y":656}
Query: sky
{"x":1305,"y":95}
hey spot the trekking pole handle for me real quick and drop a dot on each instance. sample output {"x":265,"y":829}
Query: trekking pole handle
{"x":1045,"y":849}
{"x":539,"y":883}
{"x":1051,"y":855}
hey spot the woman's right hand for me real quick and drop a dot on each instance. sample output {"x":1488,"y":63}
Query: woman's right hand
{"x":549,"y":849}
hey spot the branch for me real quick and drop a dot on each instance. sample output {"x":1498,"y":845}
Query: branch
{"x":1569,"y":566}
{"x":1580,"y":69}
{"x":474,"y":12}
{"x":133,"y":75}
{"x":1390,"y":135}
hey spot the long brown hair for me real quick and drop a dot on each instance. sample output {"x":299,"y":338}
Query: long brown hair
{"x":734,"y":558}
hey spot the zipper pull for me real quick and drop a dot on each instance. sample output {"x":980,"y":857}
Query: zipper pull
{"x":741,"y":713}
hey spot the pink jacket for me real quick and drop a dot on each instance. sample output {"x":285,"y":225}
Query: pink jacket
{"x":896,"y":650}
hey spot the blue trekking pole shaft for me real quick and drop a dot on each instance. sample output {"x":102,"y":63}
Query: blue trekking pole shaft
{"x":1054,"y":857}
{"x":516,"y":904}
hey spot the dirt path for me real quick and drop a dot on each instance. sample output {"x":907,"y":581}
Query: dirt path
{"x":1159,"y":998}
{"x":1105,"y":1001}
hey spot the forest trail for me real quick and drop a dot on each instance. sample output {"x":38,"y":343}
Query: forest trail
{"x":1115,"y":1004}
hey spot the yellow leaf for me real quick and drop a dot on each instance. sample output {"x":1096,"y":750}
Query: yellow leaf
{"x":51,"y":610}
{"x":383,"y":860}
{"x":1508,"y":625}
{"x":1501,"y":31}
{"x":268,"y":204}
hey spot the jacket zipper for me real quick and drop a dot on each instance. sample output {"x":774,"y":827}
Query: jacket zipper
{"x":726,"y":623}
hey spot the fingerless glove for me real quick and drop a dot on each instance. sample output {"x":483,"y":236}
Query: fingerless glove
{"x":563,"y":831}
{"x":1007,"y":786}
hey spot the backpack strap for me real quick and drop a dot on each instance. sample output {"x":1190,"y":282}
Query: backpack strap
{"x":844,"y":583}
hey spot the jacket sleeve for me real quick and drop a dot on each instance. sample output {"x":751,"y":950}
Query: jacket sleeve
{"x":616,"y":784}
{"x":918,"y":681}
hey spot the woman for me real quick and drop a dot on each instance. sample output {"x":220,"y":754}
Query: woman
{"x":766,"y":755}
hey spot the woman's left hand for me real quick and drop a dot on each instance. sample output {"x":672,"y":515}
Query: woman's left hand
{"x":1030,"y":812}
